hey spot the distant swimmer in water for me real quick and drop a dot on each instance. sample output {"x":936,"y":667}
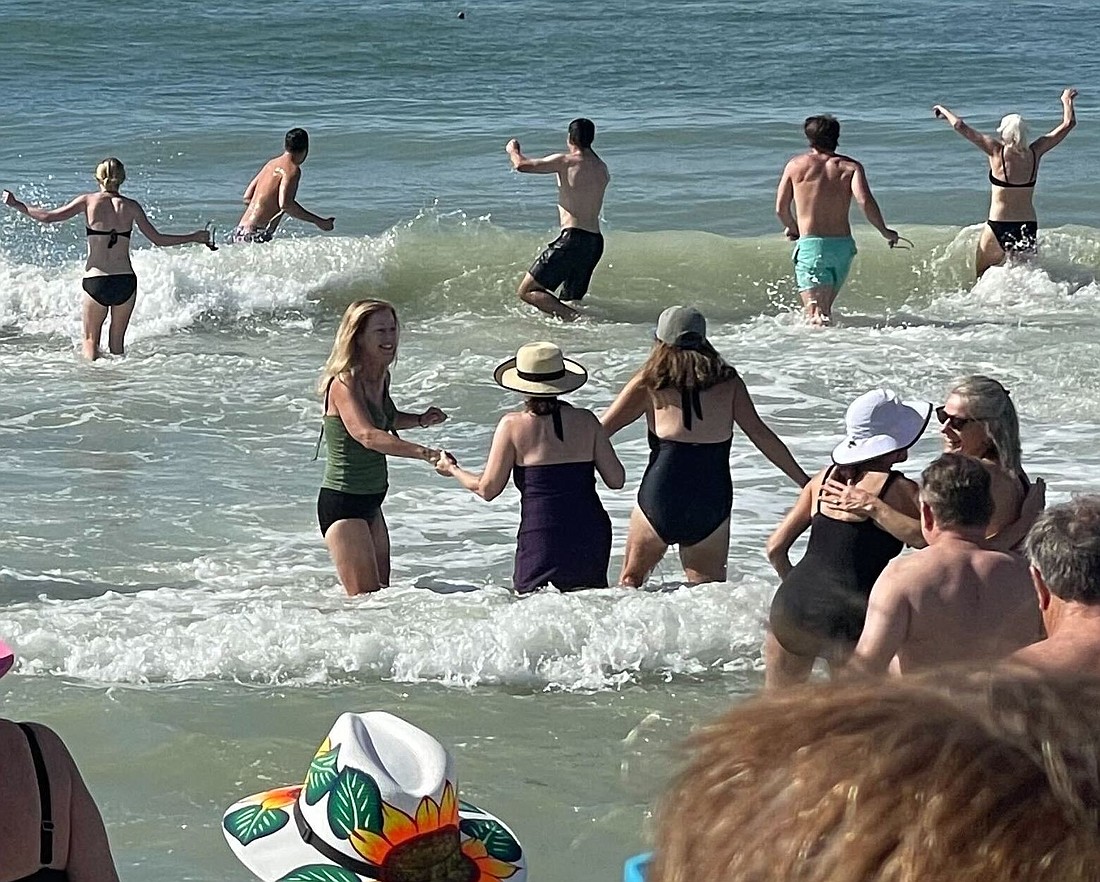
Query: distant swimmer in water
{"x":109,"y":279}
{"x":552,"y":451}
{"x":821,"y":184}
{"x":273,"y":194}
{"x":568,"y":261}
{"x":360,"y":429}
{"x":1012,"y":228}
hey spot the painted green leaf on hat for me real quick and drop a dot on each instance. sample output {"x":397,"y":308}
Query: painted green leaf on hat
{"x":320,"y":873}
{"x":321,"y":775}
{"x":354,"y":803}
{"x":498,"y":841}
{"x":254,"y":822}
{"x":468,"y":808}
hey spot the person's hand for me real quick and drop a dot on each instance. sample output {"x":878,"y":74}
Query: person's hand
{"x":791,"y":233}
{"x":1068,"y":95}
{"x":326,"y":224}
{"x":847,"y":497}
{"x":8,"y":197}
{"x":939,"y":111}
{"x":433,"y":416}
{"x":445,"y":463}
{"x":891,"y":237}
{"x":1034,"y":502}
{"x":512,"y":146}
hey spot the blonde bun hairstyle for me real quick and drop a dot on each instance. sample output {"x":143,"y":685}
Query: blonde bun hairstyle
{"x":110,"y":173}
{"x":1013,"y":131}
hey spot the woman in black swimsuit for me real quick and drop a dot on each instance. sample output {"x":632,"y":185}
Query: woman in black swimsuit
{"x":819,"y":609}
{"x":691,"y":399}
{"x":109,"y":279}
{"x":1013,"y":170}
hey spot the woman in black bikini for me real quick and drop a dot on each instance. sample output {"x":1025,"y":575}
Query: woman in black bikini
{"x":818,"y":611}
{"x":1013,"y":170}
{"x":691,"y":399}
{"x":109,"y":279}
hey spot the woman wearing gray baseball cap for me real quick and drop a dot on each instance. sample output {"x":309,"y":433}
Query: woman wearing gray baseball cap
{"x":691,"y":399}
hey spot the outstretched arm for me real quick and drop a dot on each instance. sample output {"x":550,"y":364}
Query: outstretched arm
{"x":784,"y":200}
{"x":1055,"y":136}
{"x":861,"y":190}
{"x":766,"y":441}
{"x":629,"y":405}
{"x":166,"y":239}
{"x":498,"y":467}
{"x":796,"y":522}
{"x":548,"y":165}
{"x":982,"y":141}
{"x":359,"y":425}
{"x":46,"y":215}
{"x":607,"y":461}
{"x":288,"y":203}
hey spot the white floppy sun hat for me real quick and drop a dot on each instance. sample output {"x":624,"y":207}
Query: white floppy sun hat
{"x":378,"y":804}
{"x":879,"y":422}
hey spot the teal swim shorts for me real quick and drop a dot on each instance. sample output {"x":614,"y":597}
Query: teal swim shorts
{"x":823,"y":261}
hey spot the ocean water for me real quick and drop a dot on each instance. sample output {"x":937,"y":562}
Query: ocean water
{"x":176,"y":614}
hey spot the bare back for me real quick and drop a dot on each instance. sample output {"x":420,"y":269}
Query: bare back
{"x":1017,"y":167}
{"x":666,"y":419}
{"x":822,"y":192}
{"x":535,"y":443}
{"x":105,"y":212}
{"x":263,"y":205}
{"x":581,"y":187}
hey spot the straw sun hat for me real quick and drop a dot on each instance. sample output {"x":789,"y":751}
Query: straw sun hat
{"x":877,"y":423}
{"x":540,"y":369}
{"x":379,"y":804}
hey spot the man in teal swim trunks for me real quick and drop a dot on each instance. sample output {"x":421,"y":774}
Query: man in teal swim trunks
{"x":821,"y":184}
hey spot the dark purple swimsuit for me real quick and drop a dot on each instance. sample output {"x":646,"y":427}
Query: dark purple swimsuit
{"x":564,"y":536}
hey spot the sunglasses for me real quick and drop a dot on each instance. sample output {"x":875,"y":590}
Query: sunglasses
{"x":953,"y":421}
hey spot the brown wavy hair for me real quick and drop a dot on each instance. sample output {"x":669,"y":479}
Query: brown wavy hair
{"x":673,"y":367}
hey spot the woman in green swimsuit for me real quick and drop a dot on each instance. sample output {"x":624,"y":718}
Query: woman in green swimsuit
{"x":360,"y":431}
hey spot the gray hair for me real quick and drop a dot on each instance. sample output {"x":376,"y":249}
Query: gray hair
{"x":1064,"y":545}
{"x":988,"y":401}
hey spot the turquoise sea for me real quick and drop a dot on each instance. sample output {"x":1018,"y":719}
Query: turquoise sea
{"x":161,"y":573}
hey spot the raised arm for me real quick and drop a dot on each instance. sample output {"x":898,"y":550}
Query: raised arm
{"x":358,"y":423}
{"x":548,"y":165}
{"x":793,"y":525}
{"x":607,"y":461}
{"x":288,"y":202}
{"x":433,"y":416}
{"x":141,"y":220}
{"x":784,"y":200}
{"x":1056,"y":135}
{"x":887,"y":623}
{"x":861,"y":191}
{"x":498,"y":467}
{"x":628,"y":406}
{"x":983,"y":142}
{"x":766,"y":441}
{"x":46,"y":215}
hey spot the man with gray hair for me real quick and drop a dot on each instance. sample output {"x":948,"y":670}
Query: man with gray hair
{"x":956,"y":600}
{"x":1063,"y":547}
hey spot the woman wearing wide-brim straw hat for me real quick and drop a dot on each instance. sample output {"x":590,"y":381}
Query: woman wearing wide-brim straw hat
{"x":552,"y":450}
{"x":691,"y":399}
{"x":819,"y":609}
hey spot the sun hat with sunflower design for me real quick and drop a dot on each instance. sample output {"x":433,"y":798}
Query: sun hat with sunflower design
{"x":379,"y":802}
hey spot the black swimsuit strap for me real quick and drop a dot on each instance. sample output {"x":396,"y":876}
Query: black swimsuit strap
{"x":689,"y":403}
{"x":555,"y":415}
{"x":324,"y":413}
{"x":821,"y":489}
{"x":45,"y":855}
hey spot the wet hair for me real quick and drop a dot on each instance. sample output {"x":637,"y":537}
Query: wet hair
{"x":956,"y":488}
{"x":296,"y":141}
{"x":1064,"y":545}
{"x":987,"y":400}
{"x":676,"y":367}
{"x":1013,"y":131}
{"x":823,"y":132}
{"x":946,"y":777}
{"x":582,"y":132}
{"x":343,"y":357}
{"x":110,"y":174}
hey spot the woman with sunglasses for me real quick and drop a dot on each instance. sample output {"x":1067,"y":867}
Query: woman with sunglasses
{"x":978,"y":419}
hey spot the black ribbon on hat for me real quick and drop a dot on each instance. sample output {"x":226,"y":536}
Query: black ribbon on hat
{"x":310,"y":838}
{"x":538,"y":378}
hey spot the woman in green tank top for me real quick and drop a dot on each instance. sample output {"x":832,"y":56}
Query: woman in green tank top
{"x":360,"y":430}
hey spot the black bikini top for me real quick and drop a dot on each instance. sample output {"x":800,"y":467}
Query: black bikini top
{"x":114,"y":234}
{"x":997,"y":182}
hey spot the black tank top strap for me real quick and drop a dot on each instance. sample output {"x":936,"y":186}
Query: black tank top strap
{"x":324,"y":413}
{"x":689,"y":404}
{"x":45,"y":856}
{"x":890,"y":477}
{"x":828,"y":473}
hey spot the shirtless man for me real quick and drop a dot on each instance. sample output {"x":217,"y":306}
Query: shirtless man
{"x":956,"y":600}
{"x":569,"y":260}
{"x":1064,"y":549}
{"x":273,"y":193}
{"x":821,"y":184}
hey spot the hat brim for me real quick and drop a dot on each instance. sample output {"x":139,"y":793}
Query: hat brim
{"x":274,"y":849}
{"x":912,"y":426}
{"x":7,"y":658}
{"x":507,"y":376}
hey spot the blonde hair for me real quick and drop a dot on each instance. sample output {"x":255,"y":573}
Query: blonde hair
{"x":1013,"y":131}
{"x":675,"y":367}
{"x":988,"y":401}
{"x":110,"y":173}
{"x":342,"y":359}
{"x":949,"y":777}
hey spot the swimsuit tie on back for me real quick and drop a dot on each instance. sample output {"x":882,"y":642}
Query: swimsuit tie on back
{"x":690,"y":403}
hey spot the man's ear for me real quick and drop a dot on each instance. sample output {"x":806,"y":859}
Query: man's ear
{"x":927,"y":522}
{"x":1041,"y":588}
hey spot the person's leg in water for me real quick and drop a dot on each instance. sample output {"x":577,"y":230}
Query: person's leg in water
{"x":531,"y":292}
{"x":644,"y":550}
{"x":818,"y":304}
{"x":120,"y":321}
{"x":989,"y":252}
{"x":351,"y":544}
{"x":706,"y":561}
{"x":380,"y":536}
{"x":95,"y":314}
{"x":783,"y":668}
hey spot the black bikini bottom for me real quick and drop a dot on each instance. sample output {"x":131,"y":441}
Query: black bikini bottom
{"x":1020,"y":237}
{"x":111,"y":290}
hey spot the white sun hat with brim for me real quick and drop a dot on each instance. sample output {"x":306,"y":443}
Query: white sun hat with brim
{"x":540,"y":369}
{"x":379,"y":802}
{"x":879,"y":422}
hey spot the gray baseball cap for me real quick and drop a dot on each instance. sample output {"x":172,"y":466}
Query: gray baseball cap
{"x":682,"y":326}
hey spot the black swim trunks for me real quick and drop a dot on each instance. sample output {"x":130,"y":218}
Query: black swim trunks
{"x":568,"y":262}
{"x":111,"y":290}
{"x":336,"y":505}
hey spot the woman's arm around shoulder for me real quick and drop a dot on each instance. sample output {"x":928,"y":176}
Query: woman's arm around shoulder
{"x":357,"y":421}
{"x":607,"y":461}
{"x":793,"y":525}
{"x":759,"y":433}
{"x":498,"y":467}
{"x":897,"y":511}
{"x":630,"y":404}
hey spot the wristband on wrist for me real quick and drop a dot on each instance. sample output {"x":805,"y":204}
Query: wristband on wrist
{"x":420,"y":421}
